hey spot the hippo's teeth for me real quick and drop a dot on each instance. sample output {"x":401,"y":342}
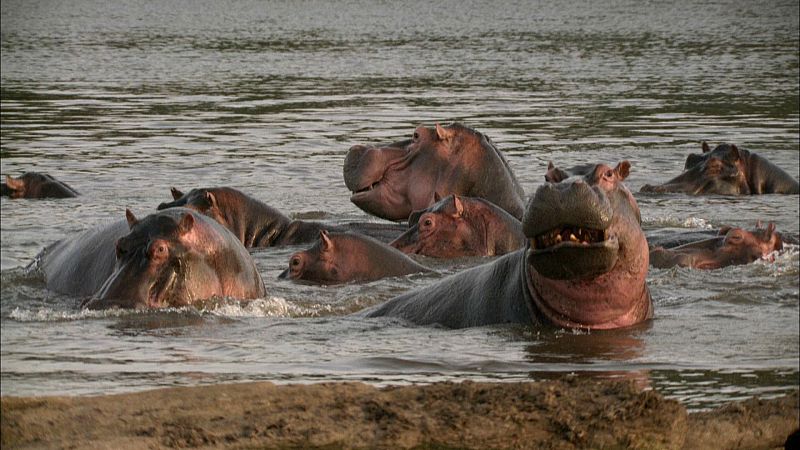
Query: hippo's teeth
{"x":578,"y":235}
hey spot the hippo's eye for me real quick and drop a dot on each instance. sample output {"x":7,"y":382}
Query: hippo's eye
{"x":428,"y":222}
{"x":416,"y":136}
{"x":609,"y":173}
{"x":295,"y":262}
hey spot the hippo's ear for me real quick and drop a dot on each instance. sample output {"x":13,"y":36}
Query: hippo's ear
{"x":186,"y":224}
{"x":444,"y":133}
{"x":325,"y":240}
{"x":15,"y":183}
{"x":550,"y":165}
{"x":705,"y":147}
{"x":459,"y":205}
{"x":436,"y":197}
{"x":723,"y":230}
{"x":413,"y":218}
{"x":132,"y":220}
{"x":623,"y":169}
{"x":735,"y":152}
{"x":176,"y":194}
{"x":212,"y":201}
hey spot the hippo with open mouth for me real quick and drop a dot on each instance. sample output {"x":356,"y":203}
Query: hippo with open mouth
{"x":584,"y":266}
{"x":392,"y":181}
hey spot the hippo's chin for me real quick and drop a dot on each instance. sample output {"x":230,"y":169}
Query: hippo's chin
{"x":570,"y":260}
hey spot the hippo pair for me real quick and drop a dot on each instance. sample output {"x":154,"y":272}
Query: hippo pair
{"x":728,"y":170}
{"x":732,"y":246}
{"x":36,"y":185}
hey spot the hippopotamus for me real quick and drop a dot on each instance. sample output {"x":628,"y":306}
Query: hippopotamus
{"x":343,"y":257}
{"x":584,"y":266}
{"x":259,"y":225}
{"x":728,"y":170}
{"x":170,"y":258}
{"x":36,"y":185}
{"x":458,"y":226}
{"x":392,"y":181}
{"x":733,"y":246}
{"x":556,"y":174}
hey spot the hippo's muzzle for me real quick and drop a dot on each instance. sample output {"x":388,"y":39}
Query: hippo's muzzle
{"x":568,"y":226}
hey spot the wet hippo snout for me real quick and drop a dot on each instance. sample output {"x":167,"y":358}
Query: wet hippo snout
{"x":575,"y":203}
{"x":352,"y":162}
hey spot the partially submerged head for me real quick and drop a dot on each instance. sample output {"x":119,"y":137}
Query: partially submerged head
{"x":343,"y":257}
{"x":392,"y":181}
{"x":173,"y":258}
{"x":740,"y":246}
{"x":202,"y":200}
{"x":722,"y":171}
{"x":35,"y":185}
{"x":458,"y":226}
{"x":587,"y":256}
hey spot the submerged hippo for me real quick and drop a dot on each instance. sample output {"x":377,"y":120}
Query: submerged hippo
{"x":170,"y":258}
{"x":458,"y":226}
{"x":733,"y":246}
{"x":728,"y":170}
{"x":36,"y":185}
{"x":258,"y":225}
{"x":343,"y":257}
{"x":392,"y":181}
{"x":584,"y":266}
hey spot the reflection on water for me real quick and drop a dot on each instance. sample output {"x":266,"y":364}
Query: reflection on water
{"x":123,"y":100}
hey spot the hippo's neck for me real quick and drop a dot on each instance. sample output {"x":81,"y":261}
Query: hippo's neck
{"x":257,"y":225}
{"x":562,"y":303}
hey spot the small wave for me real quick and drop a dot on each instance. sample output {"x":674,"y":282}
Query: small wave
{"x":675,"y":222}
{"x":53,"y":315}
{"x":270,"y":307}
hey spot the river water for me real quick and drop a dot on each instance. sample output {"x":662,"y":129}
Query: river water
{"x":124,"y":99}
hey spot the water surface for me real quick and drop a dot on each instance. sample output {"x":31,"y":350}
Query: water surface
{"x":123,"y":100}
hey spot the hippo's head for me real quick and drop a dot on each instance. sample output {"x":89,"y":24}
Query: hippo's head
{"x":36,"y":185}
{"x":321,"y":263}
{"x":722,"y":171}
{"x":587,"y":257}
{"x":392,"y":181}
{"x":458,"y":226}
{"x":740,"y":246}
{"x":202,"y":200}
{"x":441,"y":231}
{"x":173,"y":258}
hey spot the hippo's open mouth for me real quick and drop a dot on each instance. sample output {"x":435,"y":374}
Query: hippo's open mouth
{"x":570,"y":252}
{"x":159,"y":292}
{"x":368,"y":188}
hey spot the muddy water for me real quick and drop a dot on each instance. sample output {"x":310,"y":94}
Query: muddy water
{"x":123,"y":100}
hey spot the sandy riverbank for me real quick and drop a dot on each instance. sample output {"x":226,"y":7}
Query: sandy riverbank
{"x":564,"y":414}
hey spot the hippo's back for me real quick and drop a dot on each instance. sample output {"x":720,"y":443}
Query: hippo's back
{"x":78,"y":265}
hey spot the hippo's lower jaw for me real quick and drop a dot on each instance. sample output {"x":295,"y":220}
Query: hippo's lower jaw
{"x":583,"y":254}
{"x":158,"y":296}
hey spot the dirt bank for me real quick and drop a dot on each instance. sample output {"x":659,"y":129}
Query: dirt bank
{"x":564,"y":414}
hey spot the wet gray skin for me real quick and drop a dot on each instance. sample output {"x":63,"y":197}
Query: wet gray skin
{"x":585,"y":266}
{"x":175,"y":258}
{"x":258,"y":225}
{"x":36,"y":185}
{"x":728,"y":170}
{"x":393,"y":181}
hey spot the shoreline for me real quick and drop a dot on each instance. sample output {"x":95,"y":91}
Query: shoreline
{"x":567,"y":413}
